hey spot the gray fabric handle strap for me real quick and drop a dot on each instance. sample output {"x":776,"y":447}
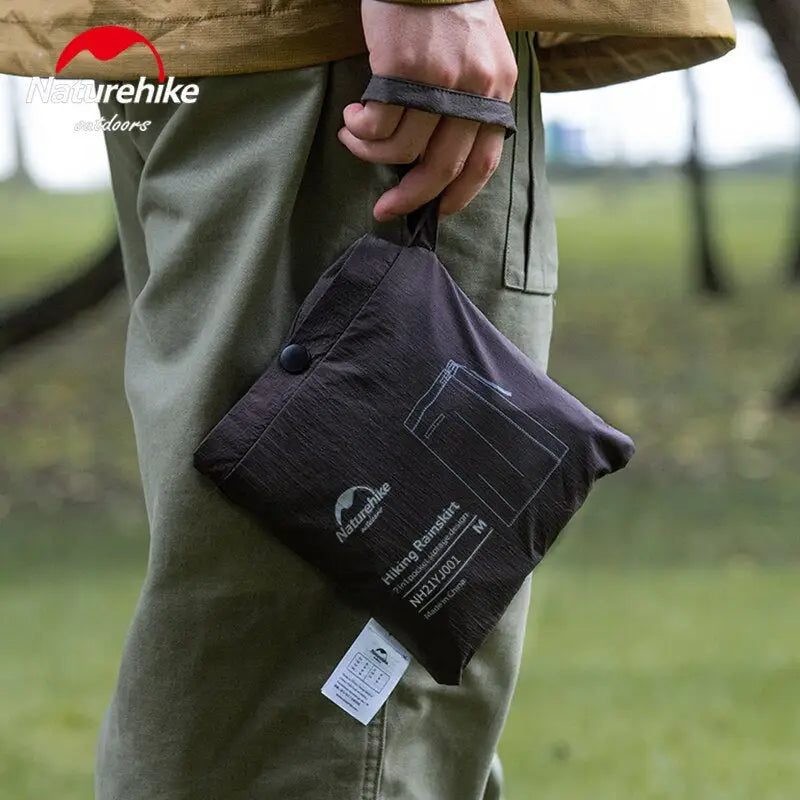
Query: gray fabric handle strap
{"x":439,"y":100}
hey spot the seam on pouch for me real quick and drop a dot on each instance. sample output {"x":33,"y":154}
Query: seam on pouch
{"x":310,"y":373}
{"x":373,"y":759}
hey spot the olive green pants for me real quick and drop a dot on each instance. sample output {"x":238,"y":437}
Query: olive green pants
{"x":228,"y":210}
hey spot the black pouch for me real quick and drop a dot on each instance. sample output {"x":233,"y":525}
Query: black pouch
{"x":406,"y":448}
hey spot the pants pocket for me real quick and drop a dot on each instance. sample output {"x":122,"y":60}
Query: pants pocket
{"x":530,"y":260}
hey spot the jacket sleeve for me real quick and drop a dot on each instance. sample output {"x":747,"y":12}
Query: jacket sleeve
{"x":428,"y":2}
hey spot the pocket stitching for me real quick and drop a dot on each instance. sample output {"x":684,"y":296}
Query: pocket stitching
{"x":508,"y":281}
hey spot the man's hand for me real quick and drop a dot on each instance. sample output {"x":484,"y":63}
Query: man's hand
{"x":461,"y":46}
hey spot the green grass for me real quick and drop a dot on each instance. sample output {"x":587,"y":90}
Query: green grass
{"x":67,"y":589}
{"x":663,"y":656}
{"x":41,"y":232}
{"x":658,"y":683}
{"x":633,"y":230}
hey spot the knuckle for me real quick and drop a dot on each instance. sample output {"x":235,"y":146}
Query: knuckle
{"x":364,"y":153}
{"x":452,"y":205}
{"x":508,"y":75}
{"x":458,"y":167}
{"x":404,"y":61}
{"x":487,"y":164}
{"x":447,"y":77}
{"x":506,"y":87}
{"x":497,"y":81}
{"x":447,"y":171}
{"x":484,"y":80}
{"x":371,"y":128}
{"x":406,"y":154}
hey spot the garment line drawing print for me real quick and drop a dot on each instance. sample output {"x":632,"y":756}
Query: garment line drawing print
{"x":498,"y":451}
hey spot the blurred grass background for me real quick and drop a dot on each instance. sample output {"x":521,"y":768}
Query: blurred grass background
{"x":663,"y":656}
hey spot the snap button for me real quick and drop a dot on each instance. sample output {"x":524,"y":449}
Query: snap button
{"x":294,"y":358}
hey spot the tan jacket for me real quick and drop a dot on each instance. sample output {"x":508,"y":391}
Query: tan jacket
{"x":582,"y":43}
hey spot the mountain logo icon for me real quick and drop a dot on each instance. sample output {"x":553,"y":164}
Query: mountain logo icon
{"x":357,"y":509}
{"x":347,"y":498}
{"x":379,"y":654}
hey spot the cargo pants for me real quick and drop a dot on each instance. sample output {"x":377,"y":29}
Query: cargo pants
{"x":228,"y":210}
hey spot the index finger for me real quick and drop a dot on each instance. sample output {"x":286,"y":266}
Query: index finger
{"x":373,"y":120}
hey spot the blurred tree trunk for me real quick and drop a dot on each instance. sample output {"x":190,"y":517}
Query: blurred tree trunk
{"x":21,"y":175}
{"x":794,"y":260}
{"x":52,"y":309}
{"x":789,"y":394}
{"x":709,"y":276}
{"x":781,"y":20}
{"x":27,"y":320}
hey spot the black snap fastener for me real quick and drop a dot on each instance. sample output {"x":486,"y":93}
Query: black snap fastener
{"x":294,"y":358}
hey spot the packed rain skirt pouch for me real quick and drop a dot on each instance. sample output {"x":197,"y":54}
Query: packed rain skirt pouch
{"x":405,"y":447}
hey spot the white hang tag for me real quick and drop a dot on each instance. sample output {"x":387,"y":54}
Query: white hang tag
{"x":368,"y":673}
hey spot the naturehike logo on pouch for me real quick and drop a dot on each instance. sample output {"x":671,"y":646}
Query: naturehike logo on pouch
{"x":357,"y":509}
{"x":105,"y":43}
{"x":379,"y":654}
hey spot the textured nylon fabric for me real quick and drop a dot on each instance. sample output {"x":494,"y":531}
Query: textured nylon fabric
{"x":404,"y":447}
